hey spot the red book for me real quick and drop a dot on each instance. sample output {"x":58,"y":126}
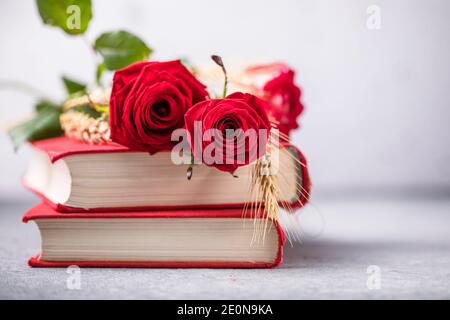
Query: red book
{"x":72,"y":176}
{"x":219,"y":238}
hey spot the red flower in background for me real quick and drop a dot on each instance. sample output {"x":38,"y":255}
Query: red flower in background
{"x":275,"y":83}
{"x":236,"y":112}
{"x":148,"y":101}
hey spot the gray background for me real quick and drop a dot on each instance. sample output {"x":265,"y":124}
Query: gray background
{"x":407,"y":240}
{"x":377,"y":102}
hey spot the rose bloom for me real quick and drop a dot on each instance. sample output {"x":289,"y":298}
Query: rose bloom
{"x":209,"y":124}
{"x":275,"y":83}
{"x":148,"y":101}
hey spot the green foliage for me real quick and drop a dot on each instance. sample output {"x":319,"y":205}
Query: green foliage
{"x":72,"y":16}
{"x":99,"y":73}
{"x":73,"y":87}
{"x":120,"y":49}
{"x":45,"y":124}
{"x":88,"y":110}
{"x":44,"y":104}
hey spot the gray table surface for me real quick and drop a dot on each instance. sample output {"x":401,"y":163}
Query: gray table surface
{"x":408,"y":240}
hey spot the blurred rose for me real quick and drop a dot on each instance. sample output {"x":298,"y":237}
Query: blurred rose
{"x":275,"y":83}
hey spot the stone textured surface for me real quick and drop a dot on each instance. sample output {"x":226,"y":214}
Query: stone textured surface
{"x":408,"y":239}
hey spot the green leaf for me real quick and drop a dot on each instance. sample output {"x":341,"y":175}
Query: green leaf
{"x":72,"y":16}
{"x":43,"y":104}
{"x":120,"y":49}
{"x":73,"y":86}
{"x":45,"y":124}
{"x":99,"y":72}
{"x":88,"y":110}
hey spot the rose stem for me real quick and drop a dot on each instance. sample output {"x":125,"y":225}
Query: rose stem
{"x":190,"y":169}
{"x":218,"y":60}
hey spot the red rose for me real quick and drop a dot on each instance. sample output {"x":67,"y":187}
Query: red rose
{"x":275,"y":83}
{"x":148,"y":101}
{"x":242,"y":114}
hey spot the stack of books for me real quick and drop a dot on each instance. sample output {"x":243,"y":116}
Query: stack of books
{"x":109,"y":206}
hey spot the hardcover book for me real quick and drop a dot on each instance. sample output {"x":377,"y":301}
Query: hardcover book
{"x":220,"y":238}
{"x":74,"y":176}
